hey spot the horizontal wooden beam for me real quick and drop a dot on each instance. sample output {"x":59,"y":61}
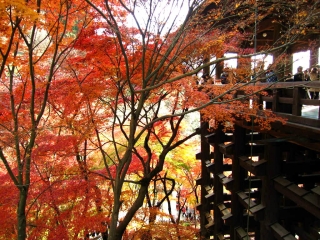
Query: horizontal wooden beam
{"x":258,"y":168}
{"x":281,"y":233}
{"x":307,"y":200}
{"x":226,"y":181}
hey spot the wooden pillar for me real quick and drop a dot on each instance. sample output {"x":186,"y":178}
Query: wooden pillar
{"x":205,"y":179}
{"x":269,"y":196}
{"x":280,"y":66}
{"x":296,"y":105}
{"x":314,"y":56}
{"x":238,"y":175}
{"x":219,"y":67}
{"x":245,"y":65}
{"x":275,"y":100}
{"x":288,"y":61}
{"x":218,"y":187}
{"x":206,"y":70}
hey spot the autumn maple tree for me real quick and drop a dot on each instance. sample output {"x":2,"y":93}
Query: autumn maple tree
{"x":96,"y":97}
{"x":149,"y":65}
{"x":36,"y":38}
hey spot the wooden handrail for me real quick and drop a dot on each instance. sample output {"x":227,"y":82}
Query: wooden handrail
{"x":287,"y":99}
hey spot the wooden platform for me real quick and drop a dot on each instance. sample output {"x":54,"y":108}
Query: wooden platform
{"x":273,"y":194}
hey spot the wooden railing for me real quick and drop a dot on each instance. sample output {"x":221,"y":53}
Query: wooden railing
{"x":289,"y":99}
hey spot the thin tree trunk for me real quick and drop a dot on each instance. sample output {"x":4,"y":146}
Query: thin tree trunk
{"x":22,"y":222}
{"x":117,"y":229}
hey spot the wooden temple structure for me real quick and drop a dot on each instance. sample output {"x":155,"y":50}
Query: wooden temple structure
{"x":265,"y":185}
{"x":271,"y":187}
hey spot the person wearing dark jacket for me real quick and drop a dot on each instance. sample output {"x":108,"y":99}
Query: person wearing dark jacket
{"x":271,"y":76}
{"x":299,"y":76}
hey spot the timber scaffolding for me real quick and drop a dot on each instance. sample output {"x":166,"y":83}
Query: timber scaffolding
{"x":272,"y":188}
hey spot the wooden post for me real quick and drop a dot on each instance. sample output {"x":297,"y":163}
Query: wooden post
{"x":288,"y":62}
{"x":238,"y":174}
{"x":219,"y":68}
{"x":314,"y":56}
{"x":296,"y":104}
{"x":218,"y":187}
{"x":205,"y":179}
{"x":275,"y":100}
{"x":277,"y":35}
{"x":269,"y":196}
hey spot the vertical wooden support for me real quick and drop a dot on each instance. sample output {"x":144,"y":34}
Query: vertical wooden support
{"x":238,"y":174}
{"x":296,"y":104}
{"x":269,"y":196}
{"x":276,"y":35}
{"x":206,"y":70}
{"x":275,"y":101}
{"x":314,"y":56}
{"x":205,"y":179}
{"x":218,"y":187}
{"x":291,"y":152}
{"x":288,"y":62}
{"x":219,"y":67}
{"x":245,"y":63}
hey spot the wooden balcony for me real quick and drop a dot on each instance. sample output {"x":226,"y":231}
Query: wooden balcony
{"x":273,"y":182}
{"x":290,"y":100}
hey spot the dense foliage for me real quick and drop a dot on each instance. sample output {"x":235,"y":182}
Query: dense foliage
{"x":97,"y":100}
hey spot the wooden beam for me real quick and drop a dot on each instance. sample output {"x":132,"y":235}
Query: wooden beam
{"x":300,"y":196}
{"x":281,"y":233}
{"x":258,"y":168}
{"x":226,"y":148}
{"x":226,"y":181}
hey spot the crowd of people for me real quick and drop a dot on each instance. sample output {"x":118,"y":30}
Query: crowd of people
{"x":313,"y":74}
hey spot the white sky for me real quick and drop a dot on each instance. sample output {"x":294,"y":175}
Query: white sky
{"x":164,"y":14}
{"x":301,"y":59}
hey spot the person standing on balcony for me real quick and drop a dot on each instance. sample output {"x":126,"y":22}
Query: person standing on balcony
{"x":288,"y":78}
{"x":228,"y":76}
{"x":314,"y":76}
{"x":270,"y":75}
{"x":299,"y":76}
{"x":306,"y":75}
{"x":224,"y":77}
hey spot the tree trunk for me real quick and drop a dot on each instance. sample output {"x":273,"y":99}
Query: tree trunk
{"x":113,"y":233}
{"x":21,"y":213}
{"x":117,"y":229}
